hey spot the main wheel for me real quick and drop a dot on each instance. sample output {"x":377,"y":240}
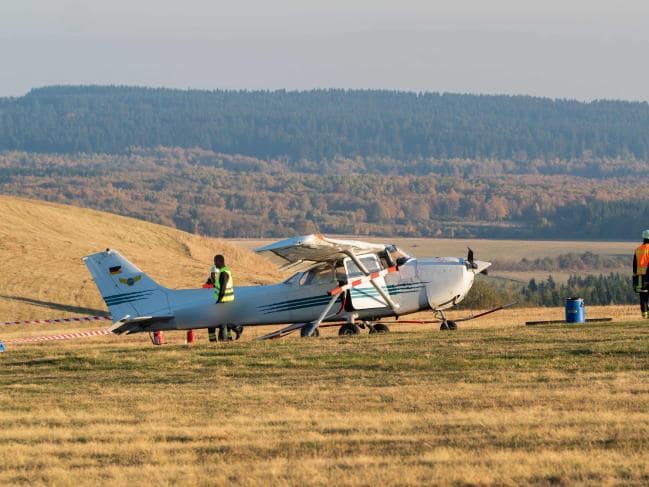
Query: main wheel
{"x":380,"y":328}
{"x":349,"y":329}
{"x":452,"y":325}
{"x":303,"y":332}
{"x":444,"y":326}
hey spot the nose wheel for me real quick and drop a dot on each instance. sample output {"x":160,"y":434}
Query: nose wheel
{"x":446,"y":324}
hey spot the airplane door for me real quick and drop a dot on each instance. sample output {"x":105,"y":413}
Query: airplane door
{"x":365,"y":296}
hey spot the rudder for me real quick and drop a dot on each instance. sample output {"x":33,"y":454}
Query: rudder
{"x":126,"y":290}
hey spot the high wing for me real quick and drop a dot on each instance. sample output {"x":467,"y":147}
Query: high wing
{"x":301,"y":253}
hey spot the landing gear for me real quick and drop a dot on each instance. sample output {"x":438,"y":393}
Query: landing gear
{"x":349,"y":329}
{"x":379,"y":328}
{"x":446,"y":324}
{"x":238,"y":330}
{"x":305,"y":329}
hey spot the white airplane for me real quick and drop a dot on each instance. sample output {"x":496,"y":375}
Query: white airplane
{"x":344,"y":283}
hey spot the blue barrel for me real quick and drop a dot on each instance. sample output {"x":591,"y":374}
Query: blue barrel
{"x":2,"y":347}
{"x":575,"y":310}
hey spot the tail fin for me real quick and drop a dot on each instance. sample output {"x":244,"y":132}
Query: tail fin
{"x":127,"y":291}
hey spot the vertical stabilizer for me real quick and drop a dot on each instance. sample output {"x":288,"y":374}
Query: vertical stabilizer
{"x":125,"y":288}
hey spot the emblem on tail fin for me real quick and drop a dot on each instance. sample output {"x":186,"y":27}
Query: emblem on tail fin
{"x":131,"y":280}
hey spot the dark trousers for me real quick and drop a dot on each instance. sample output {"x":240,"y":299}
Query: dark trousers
{"x":211,"y":333}
{"x":644,"y":302}
{"x":223,"y":333}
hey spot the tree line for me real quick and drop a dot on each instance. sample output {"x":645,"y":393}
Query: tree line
{"x":324,"y":124}
{"x":200,"y":192}
{"x":601,"y":289}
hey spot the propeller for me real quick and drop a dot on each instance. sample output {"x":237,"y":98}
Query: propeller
{"x":469,"y":259}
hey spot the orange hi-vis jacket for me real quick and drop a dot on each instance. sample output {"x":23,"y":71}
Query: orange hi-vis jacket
{"x":641,"y":260}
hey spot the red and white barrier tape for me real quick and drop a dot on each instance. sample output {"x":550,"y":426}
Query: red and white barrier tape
{"x":63,"y":336}
{"x":57,"y":320}
{"x":362,"y":280}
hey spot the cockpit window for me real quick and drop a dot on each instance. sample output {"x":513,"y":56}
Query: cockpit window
{"x":370,"y":262}
{"x":294,"y":278}
{"x":320,"y":275}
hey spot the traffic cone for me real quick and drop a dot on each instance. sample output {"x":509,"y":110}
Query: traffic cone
{"x":158,"y":338}
{"x":190,"y":336}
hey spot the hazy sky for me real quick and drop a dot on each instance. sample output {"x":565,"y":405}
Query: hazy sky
{"x":582,"y":49}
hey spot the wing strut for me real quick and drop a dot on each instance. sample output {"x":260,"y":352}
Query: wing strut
{"x":369,"y":276}
{"x":334,"y":293}
{"x":311,"y":327}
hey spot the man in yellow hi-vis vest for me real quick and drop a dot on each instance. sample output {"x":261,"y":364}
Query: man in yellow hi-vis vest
{"x":223,"y":291}
{"x":641,"y":275}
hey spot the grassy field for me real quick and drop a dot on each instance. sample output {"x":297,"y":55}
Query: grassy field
{"x":495,"y":403}
{"x":553,"y":405}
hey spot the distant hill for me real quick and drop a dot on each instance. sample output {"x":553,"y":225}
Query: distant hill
{"x":41,"y":246}
{"x":322,"y":124}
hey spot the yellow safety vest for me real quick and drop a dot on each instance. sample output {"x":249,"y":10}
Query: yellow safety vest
{"x":228,"y":295}
{"x":642,"y":259}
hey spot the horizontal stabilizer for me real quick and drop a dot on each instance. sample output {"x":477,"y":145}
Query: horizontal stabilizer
{"x":129,"y":325}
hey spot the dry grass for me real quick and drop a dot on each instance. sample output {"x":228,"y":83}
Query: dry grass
{"x":41,"y":246}
{"x":497,"y":405}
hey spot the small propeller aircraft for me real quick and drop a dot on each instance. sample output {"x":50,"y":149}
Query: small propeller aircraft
{"x":344,"y":283}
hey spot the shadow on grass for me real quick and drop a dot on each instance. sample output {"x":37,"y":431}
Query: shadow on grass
{"x":57,"y":306}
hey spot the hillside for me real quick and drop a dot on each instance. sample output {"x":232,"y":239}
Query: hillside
{"x":41,"y":246}
{"x":321,"y":124}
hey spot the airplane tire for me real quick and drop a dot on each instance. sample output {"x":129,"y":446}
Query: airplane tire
{"x":303,"y":331}
{"x":444,"y":326}
{"x":349,"y":329}
{"x":452,"y":325}
{"x":380,"y":328}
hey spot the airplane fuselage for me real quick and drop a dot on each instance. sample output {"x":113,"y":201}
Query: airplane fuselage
{"x":418,"y":285}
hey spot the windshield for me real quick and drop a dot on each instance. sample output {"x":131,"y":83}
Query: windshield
{"x":397,"y":253}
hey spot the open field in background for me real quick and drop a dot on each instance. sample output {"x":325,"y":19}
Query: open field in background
{"x":495,"y":250}
{"x":492,"y":405}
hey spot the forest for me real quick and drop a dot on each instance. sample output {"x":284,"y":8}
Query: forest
{"x":362,"y":162}
{"x":235,"y":196}
{"x":298,"y":126}
{"x":600,"y":289}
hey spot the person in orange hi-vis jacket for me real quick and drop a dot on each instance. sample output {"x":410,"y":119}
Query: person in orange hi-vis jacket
{"x":641,"y":273}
